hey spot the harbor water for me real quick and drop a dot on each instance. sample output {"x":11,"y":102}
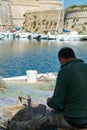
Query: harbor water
{"x":18,"y":56}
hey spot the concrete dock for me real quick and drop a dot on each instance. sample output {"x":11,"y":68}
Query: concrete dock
{"x":19,"y":86}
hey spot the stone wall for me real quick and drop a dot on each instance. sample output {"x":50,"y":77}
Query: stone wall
{"x":76,"y":19}
{"x":5,"y":15}
{"x":12,"y":11}
{"x":41,"y":15}
{"x":43,"y":21}
{"x":21,"y":7}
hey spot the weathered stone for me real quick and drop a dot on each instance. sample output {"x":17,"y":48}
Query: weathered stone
{"x":17,"y":8}
{"x":76,"y":19}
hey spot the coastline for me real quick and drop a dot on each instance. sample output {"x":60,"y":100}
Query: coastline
{"x":50,"y":75}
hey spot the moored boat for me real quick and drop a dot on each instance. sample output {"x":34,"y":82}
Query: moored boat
{"x":72,"y":36}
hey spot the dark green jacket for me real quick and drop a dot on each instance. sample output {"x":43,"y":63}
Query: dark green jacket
{"x":70,"y":94}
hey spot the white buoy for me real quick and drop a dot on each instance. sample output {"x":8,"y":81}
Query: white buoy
{"x":31,"y":76}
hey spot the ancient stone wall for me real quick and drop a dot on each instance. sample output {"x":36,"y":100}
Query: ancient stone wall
{"x":21,"y":7}
{"x":12,"y":11}
{"x":41,"y":15}
{"x":76,"y":19}
{"x":43,"y":21}
{"x":5,"y":14}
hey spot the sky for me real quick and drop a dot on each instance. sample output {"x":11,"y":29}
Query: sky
{"x":74,"y":2}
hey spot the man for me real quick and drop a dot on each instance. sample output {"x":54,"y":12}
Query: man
{"x":69,"y":100}
{"x":70,"y":94}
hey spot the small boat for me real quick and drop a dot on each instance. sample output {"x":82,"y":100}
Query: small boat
{"x":51,"y":36}
{"x":23,"y":34}
{"x":43,"y":37}
{"x":35,"y":35}
{"x":72,"y":36}
{"x":84,"y":38}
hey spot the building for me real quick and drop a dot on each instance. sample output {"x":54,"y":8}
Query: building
{"x":5,"y":14}
{"x":12,"y":11}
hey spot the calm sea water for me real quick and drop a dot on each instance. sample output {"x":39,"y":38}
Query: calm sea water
{"x":16,"y":57}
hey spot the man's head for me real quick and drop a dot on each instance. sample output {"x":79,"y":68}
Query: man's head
{"x":65,"y":54}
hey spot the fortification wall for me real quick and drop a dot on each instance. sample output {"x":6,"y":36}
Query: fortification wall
{"x":41,"y":15}
{"x":5,"y":15}
{"x":76,"y":19}
{"x":43,"y":21}
{"x":21,"y":7}
{"x":18,"y":8}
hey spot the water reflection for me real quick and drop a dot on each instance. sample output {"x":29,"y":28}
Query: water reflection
{"x":18,"y":56}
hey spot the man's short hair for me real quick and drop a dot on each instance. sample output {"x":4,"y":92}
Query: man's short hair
{"x":66,"y":53}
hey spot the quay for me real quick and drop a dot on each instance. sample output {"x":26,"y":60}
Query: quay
{"x":19,"y":86}
{"x":50,"y":75}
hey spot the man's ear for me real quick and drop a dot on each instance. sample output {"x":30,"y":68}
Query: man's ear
{"x":62,"y":61}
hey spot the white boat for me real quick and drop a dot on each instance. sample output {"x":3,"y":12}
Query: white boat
{"x":6,"y":35}
{"x":23,"y":35}
{"x":1,"y":36}
{"x":36,"y":36}
{"x":84,"y":38}
{"x":51,"y":36}
{"x":72,"y":36}
{"x":43,"y":37}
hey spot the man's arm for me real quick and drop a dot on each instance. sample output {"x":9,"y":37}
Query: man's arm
{"x":57,"y":100}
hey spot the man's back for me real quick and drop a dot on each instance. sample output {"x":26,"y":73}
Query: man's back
{"x":75,"y":79}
